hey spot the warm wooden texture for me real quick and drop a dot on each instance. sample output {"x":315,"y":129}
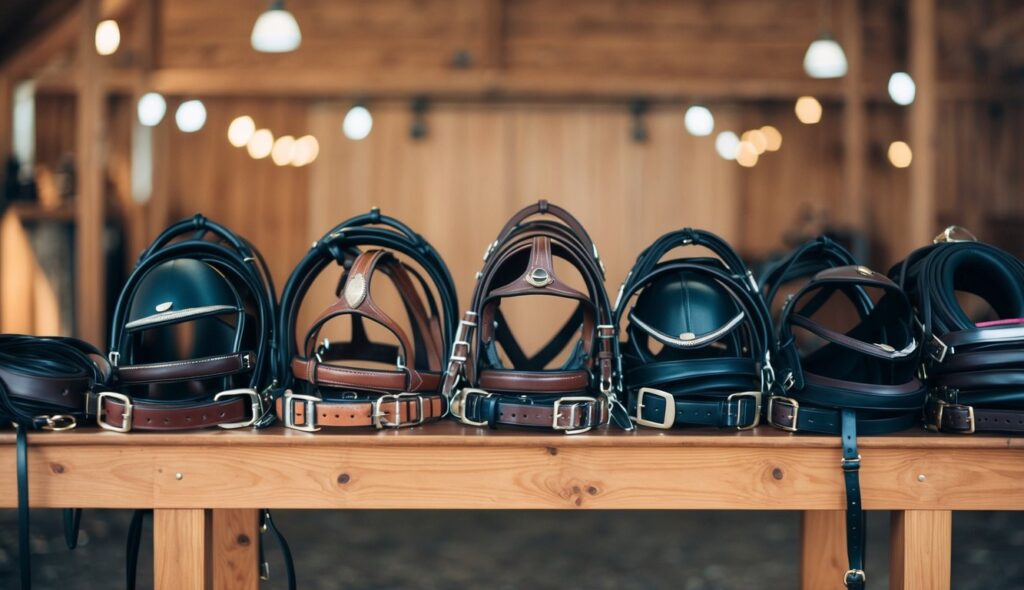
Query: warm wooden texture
{"x":822,"y":550}
{"x":923,"y":119}
{"x":921,"y":549}
{"x":235,"y":539}
{"x":854,"y":211}
{"x":33,"y":308}
{"x":181,"y":549}
{"x":466,"y":468}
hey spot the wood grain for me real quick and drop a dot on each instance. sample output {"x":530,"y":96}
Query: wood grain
{"x":823,"y":550}
{"x":181,"y":548}
{"x":235,"y":542}
{"x":921,"y":549}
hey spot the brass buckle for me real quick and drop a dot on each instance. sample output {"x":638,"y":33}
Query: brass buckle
{"x":970,"y":418}
{"x":460,"y":402}
{"x":378,"y":416}
{"x":288,"y":409}
{"x":670,"y":408}
{"x":255,"y":400}
{"x":555,"y":422}
{"x":58,"y":422}
{"x":756,"y":396}
{"x":937,"y":425}
{"x":126,"y":416}
{"x":785,"y":401}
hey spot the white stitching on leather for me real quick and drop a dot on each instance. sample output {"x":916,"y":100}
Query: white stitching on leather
{"x":177,"y":315}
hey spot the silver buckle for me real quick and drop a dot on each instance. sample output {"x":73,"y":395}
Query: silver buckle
{"x":555,"y":422}
{"x":288,"y":409}
{"x":459,"y":401}
{"x":378,"y":416}
{"x":670,"y":408}
{"x":756,"y":396}
{"x":939,"y":349}
{"x":58,"y":422}
{"x":853,"y":574}
{"x":256,"y":401}
{"x":786,"y":401}
{"x":126,"y":416}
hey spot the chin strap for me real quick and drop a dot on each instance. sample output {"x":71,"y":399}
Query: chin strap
{"x":855,"y":518}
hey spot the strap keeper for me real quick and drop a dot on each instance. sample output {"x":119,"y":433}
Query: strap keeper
{"x":606,"y":331}
{"x":850,"y":464}
{"x":854,"y":577}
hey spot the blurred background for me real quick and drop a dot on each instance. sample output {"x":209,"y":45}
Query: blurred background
{"x":766,"y":121}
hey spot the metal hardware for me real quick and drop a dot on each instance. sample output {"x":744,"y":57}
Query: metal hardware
{"x":256,"y":403}
{"x":126,"y":415}
{"x":941,"y":347}
{"x":865,"y":271}
{"x":264,"y":571}
{"x":164,"y":306}
{"x":555,"y":422}
{"x":288,"y":411}
{"x":756,"y":396}
{"x":850,"y":464}
{"x":113,"y":356}
{"x":947,"y":235}
{"x":785,"y":401}
{"x":854,"y":574}
{"x":539,"y":277}
{"x":670,"y":408}
{"x":459,"y":401}
{"x":789,"y":381}
{"x":378,"y":416}
{"x":58,"y":422}
{"x":937,"y":425}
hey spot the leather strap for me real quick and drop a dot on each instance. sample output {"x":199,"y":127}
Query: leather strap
{"x":967,"y":419}
{"x":187,"y":370}
{"x":147,"y":415}
{"x":391,"y":411}
{"x":572,"y":414}
{"x":855,"y":521}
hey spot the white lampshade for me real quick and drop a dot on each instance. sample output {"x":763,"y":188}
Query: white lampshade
{"x":358,"y":123}
{"x":825,"y":58}
{"x":152,"y":108}
{"x":699,"y":121}
{"x":902,"y":89}
{"x":276,"y":30}
{"x":190,"y":116}
{"x":726,"y":145}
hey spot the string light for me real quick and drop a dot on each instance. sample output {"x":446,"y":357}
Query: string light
{"x":900,"y":154}
{"x":772,"y":137}
{"x":240,"y":130}
{"x":284,"y":148}
{"x":757,"y":139}
{"x":746,"y":154}
{"x":699,"y":121}
{"x":306,"y":149}
{"x":358,"y":123}
{"x":108,"y":37}
{"x":902,"y":89}
{"x":151,"y":109}
{"x":808,"y":110}
{"x":190,"y":116}
{"x":260,"y":144}
{"x":726,"y":143}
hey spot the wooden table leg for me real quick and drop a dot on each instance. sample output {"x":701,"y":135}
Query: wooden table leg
{"x":235,"y":549}
{"x":921,"y":549}
{"x":823,"y":550}
{"x":181,"y":548}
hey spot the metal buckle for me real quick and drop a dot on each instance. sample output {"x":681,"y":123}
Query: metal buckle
{"x":854,"y":574}
{"x":126,"y":416}
{"x":937,"y":425}
{"x":670,"y":408}
{"x":378,"y":416}
{"x":939,"y":349}
{"x":786,"y":401}
{"x":756,"y":396}
{"x":288,"y":409}
{"x":555,"y":425}
{"x":850,"y":464}
{"x":970,"y":418}
{"x":789,"y":381}
{"x":459,"y":401}
{"x":256,"y":401}
{"x":58,"y":422}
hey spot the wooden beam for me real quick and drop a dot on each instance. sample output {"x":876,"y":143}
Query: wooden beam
{"x":6,"y":115}
{"x":235,"y":549}
{"x":42,"y":48}
{"x":823,"y":550}
{"x":923,"y":121}
{"x":90,"y":261}
{"x":492,"y":34}
{"x":1007,"y":27}
{"x":921,"y":550}
{"x":854,"y":118}
{"x":181,"y":547}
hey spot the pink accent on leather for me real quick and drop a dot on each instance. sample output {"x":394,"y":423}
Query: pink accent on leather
{"x":1006,"y":322}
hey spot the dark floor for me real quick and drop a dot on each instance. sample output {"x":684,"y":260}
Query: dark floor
{"x":532,"y":549}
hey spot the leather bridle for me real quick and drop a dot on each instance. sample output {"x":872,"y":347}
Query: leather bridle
{"x":45,"y":384}
{"x":862,"y":381}
{"x":572,"y":399}
{"x":974,"y":370}
{"x":691,"y":381}
{"x":319,"y":390}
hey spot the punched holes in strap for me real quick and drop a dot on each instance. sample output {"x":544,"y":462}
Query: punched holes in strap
{"x":121,"y":414}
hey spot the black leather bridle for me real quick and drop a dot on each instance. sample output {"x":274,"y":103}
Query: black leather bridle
{"x":975,"y":371}
{"x":45,"y":384}
{"x":862,"y":381}
{"x":714,"y":378}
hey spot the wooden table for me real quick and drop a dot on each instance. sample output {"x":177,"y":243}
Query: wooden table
{"x":205,"y":487}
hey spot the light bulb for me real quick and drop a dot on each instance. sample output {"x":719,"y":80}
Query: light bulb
{"x":358,"y":123}
{"x":108,"y":37}
{"x":825,"y":58}
{"x":902,"y":89}
{"x":260,"y":144}
{"x":746,"y":154}
{"x":307,"y":148}
{"x":276,"y":31}
{"x":900,"y":154}
{"x":151,"y":109}
{"x":699,"y":121}
{"x":726,"y":144}
{"x":284,"y":148}
{"x":772,"y":137}
{"x":756,"y":138}
{"x":190,"y":116}
{"x":240,"y":130}
{"x":808,"y":110}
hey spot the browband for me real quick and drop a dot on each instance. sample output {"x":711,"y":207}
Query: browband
{"x":322,"y":391}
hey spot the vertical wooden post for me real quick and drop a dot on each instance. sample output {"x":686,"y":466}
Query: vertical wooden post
{"x":923,"y":118}
{"x":6,"y":115}
{"x":181,"y":547}
{"x":854,"y":118}
{"x":823,"y":549}
{"x":235,"y":549}
{"x":90,"y":267}
{"x":921,"y":549}
{"x":492,"y":33}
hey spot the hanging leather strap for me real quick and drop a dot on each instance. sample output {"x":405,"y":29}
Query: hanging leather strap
{"x":855,"y":522}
